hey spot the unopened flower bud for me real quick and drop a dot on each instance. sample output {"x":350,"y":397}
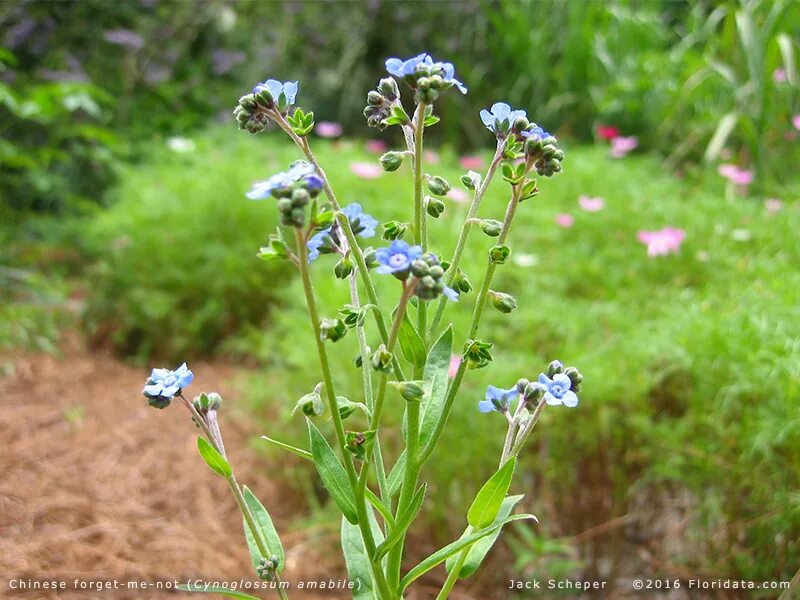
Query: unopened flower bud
{"x":370,"y":259}
{"x":438,"y":185}
{"x":375,"y":98}
{"x":491,"y":227}
{"x":344,"y":267}
{"x":207,"y":402}
{"x":311,"y":404}
{"x":419,"y":268}
{"x":248,"y":102}
{"x":392,"y":160}
{"x":332,"y":329}
{"x":434,"y":206}
{"x":382,"y":359}
{"x":574,"y":376}
{"x":471,"y":180}
{"x":461,"y":283}
{"x":505,"y":303}
{"x":533,"y":393}
{"x":264,"y":97}
{"x":267,"y":568}
{"x":388,"y":87}
{"x":410,"y":390}
{"x":499,"y":254}
{"x":394,"y":230}
{"x":521,"y":385}
{"x":554,"y":368}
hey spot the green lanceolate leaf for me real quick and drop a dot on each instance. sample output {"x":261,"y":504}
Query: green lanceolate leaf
{"x":443,"y":554}
{"x":332,"y":473}
{"x":267,"y":531}
{"x":213,"y":459}
{"x":213,"y":589}
{"x":435,"y":383}
{"x":411,"y":344}
{"x":396,"y":474}
{"x":487,"y":503}
{"x":293,"y":449}
{"x":404,"y":521}
{"x":355,"y":555}
{"x":481,"y":548}
{"x":379,"y":506}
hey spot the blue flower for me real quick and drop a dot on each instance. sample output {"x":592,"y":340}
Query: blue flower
{"x":299,"y":170}
{"x":423,"y":65}
{"x":397,"y":257}
{"x":557,"y":391}
{"x":536,"y":132}
{"x":450,"y":293}
{"x":500,"y":118}
{"x":497,"y":399}
{"x":327,"y":240}
{"x":276,"y":89}
{"x":163,"y":384}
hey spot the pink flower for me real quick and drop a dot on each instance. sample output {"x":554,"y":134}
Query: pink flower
{"x":590,"y":204}
{"x":457,"y":195}
{"x":376,"y":146}
{"x":736,"y":175}
{"x":328,"y":129}
{"x":772,"y":205}
{"x":429,"y":156}
{"x":471,"y":162}
{"x":663,"y":241}
{"x":796,"y":122}
{"x":621,"y":145}
{"x":779,"y":75}
{"x":564,"y":220}
{"x":455,"y":362}
{"x":366,"y":170}
{"x":607,"y":132}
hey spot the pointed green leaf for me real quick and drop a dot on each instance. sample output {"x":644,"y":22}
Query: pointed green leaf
{"x":403,"y":522}
{"x":267,"y":530}
{"x":481,"y":548}
{"x":332,"y":473}
{"x":355,"y":555}
{"x":379,"y":506}
{"x":487,"y":503}
{"x":213,"y":459}
{"x":411,"y":343}
{"x":724,"y":129}
{"x":396,"y":474}
{"x":443,"y":554}
{"x":222,"y":591}
{"x":293,"y":449}
{"x":435,"y":383}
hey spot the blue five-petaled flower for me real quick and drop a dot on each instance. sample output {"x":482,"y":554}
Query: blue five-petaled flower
{"x":500,"y":118}
{"x":408,"y":68}
{"x":397,"y":257}
{"x":164,"y":383}
{"x":536,"y":132}
{"x":298,"y":170}
{"x":497,"y":399}
{"x":557,"y":391}
{"x":276,"y":88}
{"x":362,"y":224}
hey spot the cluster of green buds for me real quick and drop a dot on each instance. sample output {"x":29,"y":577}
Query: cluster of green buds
{"x":380,"y":103}
{"x":429,"y":275}
{"x":267,"y":568}
{"x":544,"y":151}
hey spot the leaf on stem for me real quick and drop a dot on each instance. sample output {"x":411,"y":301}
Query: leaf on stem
{"x":213,"y":459}
{"x":411,"y":343}
{"x":267,"y":530}
{"x":487,"y":503}
{"x":435,"y":383}
{"x":332,"y":473}
{"x":355,"y":555}
{"x":404,"y":521}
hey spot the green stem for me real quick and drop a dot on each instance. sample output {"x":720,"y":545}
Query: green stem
{"x":465,"y":230}
{"x":452,"y":577}
{"x":420,"y":216}
{"x":526,"y":431}
{"x":361,"y":505}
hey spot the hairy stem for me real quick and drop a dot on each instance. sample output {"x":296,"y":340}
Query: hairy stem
{"x":420,"y":216}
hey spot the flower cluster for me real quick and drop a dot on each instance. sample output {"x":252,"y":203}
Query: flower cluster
{"x":542,"y":148}
{"x":558,"y":386}
{"x":163,"y":385}
{"x":293,"y":189}
{"x":402,"y":260}
{"x":252,"y":111}
{"x":380,"y":103}
{"x":426,"y":76}
{"x":501,"y":119}
{"x":329,"y":240}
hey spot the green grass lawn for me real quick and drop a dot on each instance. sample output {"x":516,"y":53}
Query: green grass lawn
{"x":691,"y":361}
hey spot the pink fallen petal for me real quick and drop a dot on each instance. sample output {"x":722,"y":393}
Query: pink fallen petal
{"x":366,"y":170}
{"x":663,"y":241}
{"x":742,"y":177}
{"x":455,"y":362}
{"x":457,"y":195}
{"x":607,"y":132}
{"x":779,"y":75}
{"x":773,"y":205}
{"x":471,"y":162}
{"x":622,"y":145}
{"x":564,"y":220}
{"x":328,"y":129}
{"x":431,"y":157}
{"x":376,"y":146}
{"x":796,"y":122}
{"x":590,"y":204}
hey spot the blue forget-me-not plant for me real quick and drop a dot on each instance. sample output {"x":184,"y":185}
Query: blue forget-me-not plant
{"x":377,"y":486}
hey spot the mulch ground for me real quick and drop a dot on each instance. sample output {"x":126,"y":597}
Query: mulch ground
{"x":98,"y":487}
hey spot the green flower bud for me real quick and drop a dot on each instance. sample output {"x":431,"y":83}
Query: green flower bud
{"x":300,"y":197}
{"x":392,"y":160}
{"x":344,"y":267}
{"x":369,"y":258}
{"x":424,"y":83}
{"x":521,"y":385}
{"x":207,"y":402}
{"x":419,"y":268}
{"x":332,"y":329}
{"x":505,"y":303}
{"x":375,"y":98}
{"x":434,"y":206}
{"x":533,"y":393}
{"x":491,"y":227}
{"x":499,"y":254}
{"x":264,"y":97}
{"x":267,"y":568}
{"x":382,"y":359}
{"x":461,"y":283}
{"x":311,"y":404}
{"x":248,"y":102}
{"x":471,"y":180}
{"x":438,"y":186}
{"x":359,"y":443}
{"x":554,"y":368}
{"x":436,"y":271}
{"x":410,"y":390}
{"x":574,"y":376}
{"x":477,"y":354}
{"x":394,"y":230}
{"x":285,"y":205}
{"x":388,"y":87}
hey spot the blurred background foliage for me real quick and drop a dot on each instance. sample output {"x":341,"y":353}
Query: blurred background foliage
{"x":122,"y":210}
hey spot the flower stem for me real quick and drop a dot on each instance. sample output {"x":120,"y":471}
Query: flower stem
{"x":452,"y":576}
{"x":465,"y":230}
{"x":526,"y":430}
{"x":361,"y":507}
{"x":420,"y":216}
